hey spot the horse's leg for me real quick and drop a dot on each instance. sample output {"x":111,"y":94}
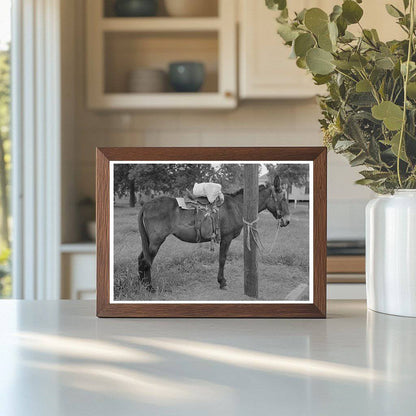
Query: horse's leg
{"x":224,"y":246}
{"x":145,"y":273}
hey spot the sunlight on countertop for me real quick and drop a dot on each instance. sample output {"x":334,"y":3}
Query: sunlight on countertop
{"x":58,"y":358}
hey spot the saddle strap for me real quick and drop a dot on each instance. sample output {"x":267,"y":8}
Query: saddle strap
{"x":213,"y":216}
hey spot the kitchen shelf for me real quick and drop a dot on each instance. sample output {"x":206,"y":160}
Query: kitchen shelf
{"x":116,"y":46}
{"x":159,"y":24}
{"x":130,"y":101}
{"x":80,"y":247}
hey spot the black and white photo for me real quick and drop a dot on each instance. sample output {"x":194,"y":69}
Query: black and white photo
{"x":178,"y":232}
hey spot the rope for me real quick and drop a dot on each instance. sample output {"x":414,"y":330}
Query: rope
{"x":253,"y":232}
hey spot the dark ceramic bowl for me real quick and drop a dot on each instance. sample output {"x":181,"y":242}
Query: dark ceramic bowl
{"x":186,"y":76}
{"x":135,"y":8}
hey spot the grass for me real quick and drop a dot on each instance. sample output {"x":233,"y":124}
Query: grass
{"x":184,"y":271}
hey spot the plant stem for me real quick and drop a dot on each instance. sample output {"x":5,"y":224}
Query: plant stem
{"x":345,"y":75}
{"x":406,"y":80}
{"x":373,"y":90}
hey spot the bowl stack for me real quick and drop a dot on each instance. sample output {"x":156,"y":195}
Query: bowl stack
{"x":147,"y":80}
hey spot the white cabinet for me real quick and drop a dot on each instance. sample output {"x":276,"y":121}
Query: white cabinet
{"x":264,"y":65}
{"x":78,"y":271}
{"x":265,"y":70}
{"x":118,"y":45}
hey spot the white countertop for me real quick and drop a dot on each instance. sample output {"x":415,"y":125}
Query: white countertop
{"x":57,"y":359}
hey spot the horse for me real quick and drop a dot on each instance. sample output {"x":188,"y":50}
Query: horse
{"x":162,"y":217}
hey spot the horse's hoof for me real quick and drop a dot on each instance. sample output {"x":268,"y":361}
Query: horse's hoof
{"x":223,"y":286}
{"x":151,"y":289}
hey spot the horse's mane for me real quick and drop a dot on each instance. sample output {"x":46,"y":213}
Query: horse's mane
{"x":241,"y":191}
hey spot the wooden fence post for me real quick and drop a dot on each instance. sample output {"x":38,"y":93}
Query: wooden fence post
{"x":250,"y":213}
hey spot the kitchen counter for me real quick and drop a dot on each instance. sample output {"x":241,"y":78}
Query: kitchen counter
{"x":57,"y":358}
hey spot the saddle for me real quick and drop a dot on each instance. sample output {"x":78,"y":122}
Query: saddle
{"x":207,"y":218}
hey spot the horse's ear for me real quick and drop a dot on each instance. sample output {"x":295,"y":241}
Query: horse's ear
{"x":277,"y":185}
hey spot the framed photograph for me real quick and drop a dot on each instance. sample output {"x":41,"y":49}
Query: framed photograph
{"x":211,"y":232}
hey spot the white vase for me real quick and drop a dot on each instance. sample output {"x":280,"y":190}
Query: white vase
{"x":391,"y":253}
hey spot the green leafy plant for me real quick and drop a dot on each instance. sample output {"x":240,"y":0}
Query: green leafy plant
{"x":369,"y":113}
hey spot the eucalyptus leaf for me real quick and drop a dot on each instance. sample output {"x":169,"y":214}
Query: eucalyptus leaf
{"x":412,"y":67}
{"x":364,"y":181}
{"x":319,"y":61}
{"x":396,"y":71}
{"x":333,"y":32}
{"x":342,"y":25}
{"x":375,"y":175}
{"x":300,"y":17}
{"x":286,"y":32}
{"x":411,"y":90}
{"x":303,"y":43}
{"x":368,"y":35}
{"x":343,"y":65}
{"x":361,"y":99}
{"x":391,"y":114}
{"x":351,"y":11}
{"x":406,"y":4}
{"x":276,"y":4}
{"x":375,"y":35}
{"x":321,"y":79}
{"x":385,"y":63}
{"x":325,"y":42}
{"x":358,"y":160}
{"x":374,"y":150}
{"x":394,"y":146}
{"x":363,"y":86}
{"x":342,"y":145}
{"x":348,"y":37}
{"x":393,"y":11}
{"x":336,"y":12}
{"x":358,"y":61}
{"x":284,"y":14}
{"x":316,"y":20}
{"x":301,"y":63}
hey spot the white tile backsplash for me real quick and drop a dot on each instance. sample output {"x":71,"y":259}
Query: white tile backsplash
{"x":271,"y":123}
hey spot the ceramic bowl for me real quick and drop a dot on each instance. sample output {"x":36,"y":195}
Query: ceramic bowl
{"x":186,"y":76}
{"x":147,"y":80}
{"x":135,"y":8}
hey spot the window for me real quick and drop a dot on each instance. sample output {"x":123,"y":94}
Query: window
{"x":5,"y":145}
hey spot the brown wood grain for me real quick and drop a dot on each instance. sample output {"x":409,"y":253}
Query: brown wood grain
{"x":346,"y":264}
{"x":317,"y":309}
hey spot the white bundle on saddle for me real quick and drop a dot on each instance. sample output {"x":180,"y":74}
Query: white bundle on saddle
{"x":210,"y":190}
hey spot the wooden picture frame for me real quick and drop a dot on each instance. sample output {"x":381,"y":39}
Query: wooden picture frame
{"x":315,"y":308}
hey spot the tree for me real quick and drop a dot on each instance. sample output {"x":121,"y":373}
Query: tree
{"x":230,"y":176}
{"x":4,"y":143}
{"x":123,"y":185}
{"x":170,"y":178}
{"x":293,"y":173}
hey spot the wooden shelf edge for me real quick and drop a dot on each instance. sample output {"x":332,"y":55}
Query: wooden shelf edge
{"x":80,"y":247}
{"x":125,"y":101}
{"x":159,"y":24}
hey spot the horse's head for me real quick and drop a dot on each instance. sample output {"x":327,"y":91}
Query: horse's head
{"x":278,"y":203}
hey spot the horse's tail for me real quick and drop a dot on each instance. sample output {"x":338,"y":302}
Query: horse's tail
{"x":145,"y":238}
